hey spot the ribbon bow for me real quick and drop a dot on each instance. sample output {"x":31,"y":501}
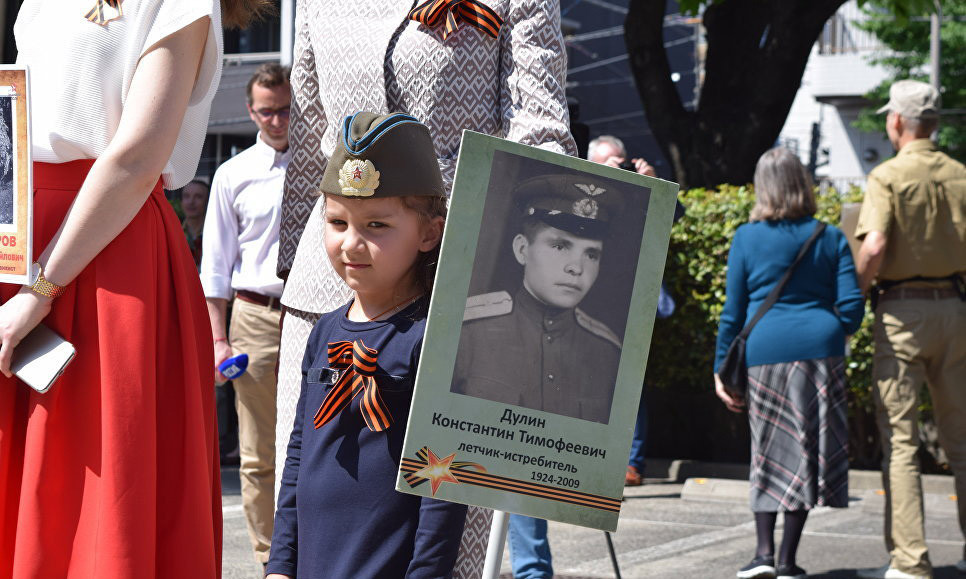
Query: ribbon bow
{"x":97,"y":13}
{"x":473,"y":12}
{"x":357,"y":365}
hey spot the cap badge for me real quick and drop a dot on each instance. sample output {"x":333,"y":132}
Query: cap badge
{"x":591,"y":190}
{"x":586,"y":208}
{"x":358,"y":178}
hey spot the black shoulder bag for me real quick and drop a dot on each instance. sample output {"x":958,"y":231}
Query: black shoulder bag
{"x":733,"y":371}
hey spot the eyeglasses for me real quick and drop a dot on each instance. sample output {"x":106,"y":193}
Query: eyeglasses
{"x":266,"y":114}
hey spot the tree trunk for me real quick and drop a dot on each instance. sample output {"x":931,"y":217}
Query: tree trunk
{"x":756,"y":55}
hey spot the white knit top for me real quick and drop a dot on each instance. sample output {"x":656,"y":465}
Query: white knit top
{"x":80,"y":73}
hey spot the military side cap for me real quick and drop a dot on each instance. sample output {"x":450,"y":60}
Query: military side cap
{"x":383,"y":156}
{"x":912,"y":99}
{"x":574,"y":203}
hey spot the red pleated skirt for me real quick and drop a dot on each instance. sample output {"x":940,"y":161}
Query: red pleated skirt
{"x":114,"y":471}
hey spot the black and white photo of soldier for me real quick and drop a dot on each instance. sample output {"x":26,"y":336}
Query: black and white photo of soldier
{"x":6,"y":161}
{"x":550,"y":290}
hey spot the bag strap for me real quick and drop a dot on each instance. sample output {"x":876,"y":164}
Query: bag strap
{"x":777,"y":290}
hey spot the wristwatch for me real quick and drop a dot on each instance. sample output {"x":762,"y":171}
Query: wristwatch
{"x":44,"y":287}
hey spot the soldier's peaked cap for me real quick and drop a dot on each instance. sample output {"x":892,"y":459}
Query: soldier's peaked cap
{"x":383,"y":156}
{"x":578,"y":204}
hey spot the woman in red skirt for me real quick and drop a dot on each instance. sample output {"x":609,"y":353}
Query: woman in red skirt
{"x":114,"y":471}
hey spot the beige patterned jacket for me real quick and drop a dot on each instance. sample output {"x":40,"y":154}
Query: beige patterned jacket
{"x":365,"y":55}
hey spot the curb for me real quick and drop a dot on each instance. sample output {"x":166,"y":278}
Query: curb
{"x":711,"y":481}
{"x":680,"y":470}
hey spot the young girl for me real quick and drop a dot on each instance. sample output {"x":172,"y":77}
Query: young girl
{"x":338,"y":512}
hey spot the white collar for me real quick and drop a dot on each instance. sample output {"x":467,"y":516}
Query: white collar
{"x":274,"y":156}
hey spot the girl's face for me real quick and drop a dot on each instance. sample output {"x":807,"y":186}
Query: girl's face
{"x":373,"y":244}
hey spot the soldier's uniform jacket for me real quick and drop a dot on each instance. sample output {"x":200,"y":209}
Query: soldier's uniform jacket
{"x":918,"y":200}
{"x":520,"y":351}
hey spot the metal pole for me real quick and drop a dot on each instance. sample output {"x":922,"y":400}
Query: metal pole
{"x":494,"y":545}
{"x":613,"y":555}
{"x":218,"y":144}
{"x":935,"y":50}
{"x":935,"y":44}
{"x":287,"y":32}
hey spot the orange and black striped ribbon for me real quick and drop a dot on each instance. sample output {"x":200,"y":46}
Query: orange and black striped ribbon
{"x":472,"y":12}
{"x":484,"y":479}
{"x":97,"y":15}
{"x":357,"y":365}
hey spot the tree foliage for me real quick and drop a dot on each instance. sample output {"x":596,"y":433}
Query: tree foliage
{"x":907,"y":55}
{"x":756,"y":55}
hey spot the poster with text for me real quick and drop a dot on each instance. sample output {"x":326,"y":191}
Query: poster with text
{"x":539,"y":326}
{"x":16,"y":199}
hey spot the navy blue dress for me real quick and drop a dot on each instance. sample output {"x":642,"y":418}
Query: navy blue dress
{"x":338,"y":512}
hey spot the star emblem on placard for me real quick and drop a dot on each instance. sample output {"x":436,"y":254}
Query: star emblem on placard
{"x":437,"y":470}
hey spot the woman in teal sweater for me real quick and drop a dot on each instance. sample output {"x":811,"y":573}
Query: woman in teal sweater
{"x":796,"y":369}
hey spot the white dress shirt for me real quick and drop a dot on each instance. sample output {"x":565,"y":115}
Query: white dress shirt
{"x":239,"y":248}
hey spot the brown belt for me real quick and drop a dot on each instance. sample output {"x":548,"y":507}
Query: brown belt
{"x":918,"y":293}
{"x":257,"y":298}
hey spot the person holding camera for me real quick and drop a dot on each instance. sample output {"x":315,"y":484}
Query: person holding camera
{"x":609,"y":150}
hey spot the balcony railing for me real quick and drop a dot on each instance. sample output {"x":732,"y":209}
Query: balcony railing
{"x":841,"y":36}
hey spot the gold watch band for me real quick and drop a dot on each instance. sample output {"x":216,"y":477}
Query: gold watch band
{"x":44,"y":287}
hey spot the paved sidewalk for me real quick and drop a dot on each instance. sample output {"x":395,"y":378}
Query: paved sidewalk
{"x":700,"y":528}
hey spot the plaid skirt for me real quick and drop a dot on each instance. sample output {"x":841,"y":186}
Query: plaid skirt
{"x":799,"y":435}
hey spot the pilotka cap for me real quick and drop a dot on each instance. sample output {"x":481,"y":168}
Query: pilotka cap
{"x":383,"y":156}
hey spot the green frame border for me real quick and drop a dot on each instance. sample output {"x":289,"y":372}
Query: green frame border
{"x":601,"y":476}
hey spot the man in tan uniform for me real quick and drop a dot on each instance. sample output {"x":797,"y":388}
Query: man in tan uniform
{"x":913,"y":231}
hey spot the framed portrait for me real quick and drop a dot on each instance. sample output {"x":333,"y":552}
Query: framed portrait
{"x":540,"y":321}
{"x":16,"y":199}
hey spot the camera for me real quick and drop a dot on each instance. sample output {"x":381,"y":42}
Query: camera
{"x":628,"y":166}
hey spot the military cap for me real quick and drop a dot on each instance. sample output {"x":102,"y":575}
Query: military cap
{"x":383,"y":156}
{"x":912,"y":99}
{"x":578,"y":204}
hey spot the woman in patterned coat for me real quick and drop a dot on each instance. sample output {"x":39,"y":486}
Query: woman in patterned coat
{"x":370,"y":55}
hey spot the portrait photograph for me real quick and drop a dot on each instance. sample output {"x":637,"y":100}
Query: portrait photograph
{"x":7,"y":167}
{"x":550,"y":288}
{"x":540,"y":320}
{"x":16,"y":191}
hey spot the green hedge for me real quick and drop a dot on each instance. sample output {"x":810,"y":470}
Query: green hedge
{"x":682,"y":352}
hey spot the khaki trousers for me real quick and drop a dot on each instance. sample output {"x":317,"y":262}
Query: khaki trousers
{"x":918,"y":341}
{"x":254,"y":331}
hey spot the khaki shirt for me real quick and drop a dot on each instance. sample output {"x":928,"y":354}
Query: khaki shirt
{"x":917,"y":200}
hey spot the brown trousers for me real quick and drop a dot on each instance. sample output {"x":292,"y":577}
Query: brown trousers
{"x":918,"y":341}
{"x":254,"y":331}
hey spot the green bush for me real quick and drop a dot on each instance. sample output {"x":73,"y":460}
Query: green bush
{"x":682,"y":351}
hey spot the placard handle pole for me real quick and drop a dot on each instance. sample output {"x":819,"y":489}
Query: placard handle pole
{"x":494,"y":546}
{"x":613,"y":555}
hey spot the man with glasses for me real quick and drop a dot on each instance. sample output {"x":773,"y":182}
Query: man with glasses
{"x":239,"y":254}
